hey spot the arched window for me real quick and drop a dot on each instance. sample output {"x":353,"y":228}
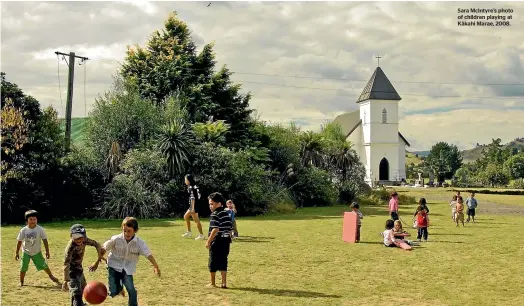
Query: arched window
{"x":384,"y":116}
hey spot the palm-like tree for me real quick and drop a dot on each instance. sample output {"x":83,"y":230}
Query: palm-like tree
{"x":175,"y":139}
{"x":311,"y":149}
{"x":343,"y":158}
{"x":113,"y":159}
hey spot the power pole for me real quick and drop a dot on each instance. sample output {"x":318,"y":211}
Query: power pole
{"x":69,"y":103}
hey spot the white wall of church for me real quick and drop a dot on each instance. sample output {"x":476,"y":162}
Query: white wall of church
{"x":389,"y":151}
{"x":402,"y":158}
{"x":374,"y":130}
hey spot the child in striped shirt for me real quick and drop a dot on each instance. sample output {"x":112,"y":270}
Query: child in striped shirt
{"x":124,"y":251}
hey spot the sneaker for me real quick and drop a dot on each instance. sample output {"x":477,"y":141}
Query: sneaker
{"x":200,"y":237}
{"x":187,"y":235}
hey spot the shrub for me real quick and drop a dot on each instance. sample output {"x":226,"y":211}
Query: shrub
{"x":283,"y":204}
{"x":517,"y":184}
{"x":314,"y":188}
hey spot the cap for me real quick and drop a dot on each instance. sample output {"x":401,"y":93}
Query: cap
{"x":30,"y":213}
{"x":77,"y":231}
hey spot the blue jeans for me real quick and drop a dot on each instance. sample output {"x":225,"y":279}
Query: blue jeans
{"x":118,"y":280}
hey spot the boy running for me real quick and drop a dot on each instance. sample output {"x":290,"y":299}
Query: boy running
{"x":472,"y":203}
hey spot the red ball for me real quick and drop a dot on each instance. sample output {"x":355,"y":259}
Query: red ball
{"x":95,"y":293}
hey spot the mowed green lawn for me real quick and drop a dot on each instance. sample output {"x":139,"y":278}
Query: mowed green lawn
{"x":300,"y":259}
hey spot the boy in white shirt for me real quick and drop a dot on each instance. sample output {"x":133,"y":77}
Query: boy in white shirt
{"x":29,"y":237}
{"x":124,"y":251}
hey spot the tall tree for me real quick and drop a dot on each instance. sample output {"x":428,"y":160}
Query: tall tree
{"x":444,"y":159}
{"x":169,"y":64}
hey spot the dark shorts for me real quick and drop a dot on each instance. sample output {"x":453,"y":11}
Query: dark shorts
{"x":394,"y":215}
{"x":218,"y":253}
{"x":471,"y":212}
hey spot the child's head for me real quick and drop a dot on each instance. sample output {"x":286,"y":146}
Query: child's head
{"x":420,"y":209}
{"x":422,"y":202}
{"x":390,"y":224}
{"x":460,"y":200}
{"x":394,"y":195}
{"x":216,"y":200}
{"x":454,"y":198}
{"x":354,"y":206}
{"x":458,"y":193}
{"x":229,"y":204}
{"x":31,"y":218}
{"x":189,"y":180}
{"x":129,"y":227}
{"x":78,"y":233}
{"x":472,"y":194}
{"x":398,"y":225}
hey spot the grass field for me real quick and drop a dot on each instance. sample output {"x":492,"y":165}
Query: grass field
{"x":300,"y":259}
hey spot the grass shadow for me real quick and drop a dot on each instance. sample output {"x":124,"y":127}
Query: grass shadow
{"x":370,"y":242}
{"x":450,"y":234}
{"x":444,"y":241}
{"x":51,"y":287}
{"x":284,"y":292}
{"x":252,"y":239}
{"x":113,"y":224}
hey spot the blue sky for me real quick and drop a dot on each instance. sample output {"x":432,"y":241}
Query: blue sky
{"x":302,"y":61}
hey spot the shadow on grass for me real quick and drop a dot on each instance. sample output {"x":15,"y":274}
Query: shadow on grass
{"x":284,"y":292}
{"x":253,"y":239}
{"x":450,"y":234}
{"x":50,"y":287}
{"x":444,"y":241}
{"x":369,"y":242}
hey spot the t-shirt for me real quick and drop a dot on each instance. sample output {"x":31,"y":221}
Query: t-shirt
{"x":471,"y":202}
{"x":422,"y":219}
{"x":220,"y":219}
{"x":453,"y":205}
{"x":360,"y":216}
{"x":393,"y":205}
{"x":388,"y":237}
{"x":32,"y":239}
{"x":231,"y":214}
{"x":194,"y":194}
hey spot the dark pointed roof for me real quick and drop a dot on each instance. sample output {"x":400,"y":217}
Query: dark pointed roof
{"x":379,"y":88}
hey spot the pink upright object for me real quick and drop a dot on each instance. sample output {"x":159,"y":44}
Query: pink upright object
{"x":349,"y":228}
{"x":404,"y":245}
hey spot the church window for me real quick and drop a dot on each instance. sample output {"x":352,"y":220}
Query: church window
{"x":384,"y":116}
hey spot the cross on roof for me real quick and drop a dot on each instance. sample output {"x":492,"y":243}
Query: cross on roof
{"x":378,"y":58}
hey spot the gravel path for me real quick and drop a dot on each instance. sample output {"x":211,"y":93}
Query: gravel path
{"x":485,"y":207}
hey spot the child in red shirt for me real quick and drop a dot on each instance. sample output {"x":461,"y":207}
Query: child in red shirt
{"x":422,"y":224}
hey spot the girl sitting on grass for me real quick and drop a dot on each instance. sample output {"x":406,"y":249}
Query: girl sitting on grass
{"x":398,"y":231}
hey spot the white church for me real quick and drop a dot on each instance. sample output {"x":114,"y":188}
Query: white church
{"x":373,"y":131}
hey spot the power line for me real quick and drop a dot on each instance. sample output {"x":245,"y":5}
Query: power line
{"x":59,"y":87}
{"x":338,"y":79}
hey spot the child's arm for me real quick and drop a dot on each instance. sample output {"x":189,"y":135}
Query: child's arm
{"x":46,"y":246}
{"x":18,"y":245}
{"x":67,"y":263}
{"x":155,"y":265}
{"x":212,"y":236}
{"x":100,"y":252}
{"x":360,"y":215}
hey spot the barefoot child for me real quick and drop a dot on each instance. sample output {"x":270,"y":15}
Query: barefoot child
{"x":422,"y":224}
{"x":74,"y":255}
{"x":124,"y":250}
{"x":459,"y":215}
{"x":399,"y":233}
{"x":29,"y":237}
{"x":471,"y":202}
{"x":389,"y":238}
{"x":393,"y":206}
{"x":453,"y":205}
{"x":219,"y":239}
{"x":355,"y":207}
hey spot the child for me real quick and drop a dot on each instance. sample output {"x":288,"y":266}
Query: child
{"x":397,"y":229}
{"x":73,"y":270}
{"x":194,"y":194}
{"x":231,"y":210}
{"x":393,"y":206}
{"x":389,"y":238}
{"x":471,"y":202}
{"x":219,"y":239}
{"x":355,"y":207}
{"x":422,"y":224}
{"x":459,"y":215}
{"x":453,"y":205}
{"x":124,"y":250}
{"x":30,"y":237}
{"x":423,"y":204}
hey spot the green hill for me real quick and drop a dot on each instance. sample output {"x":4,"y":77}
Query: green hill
{"x":475,"y":153}
{"x":78,"y":126}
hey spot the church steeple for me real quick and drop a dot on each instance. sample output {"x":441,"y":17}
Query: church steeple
{"x":379,"y":88}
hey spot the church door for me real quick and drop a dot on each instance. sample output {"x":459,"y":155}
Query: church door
{"x":383,"y":170}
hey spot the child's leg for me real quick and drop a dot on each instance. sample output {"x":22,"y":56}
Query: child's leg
{"x":235,"y":229}
{"x":131,"y":291}
{"x":187,"y":216}
{"x":76,"y":287}
{"x":425,"y":234}
{"x":212,"y":264}
{"x":419,"y":233}
{"x":24,"y":266}
{"x":41,"y":264}
{"x":197,"y":221}
{"x":358,"y":233}
{"x":224,"y":278}
{"x":114,"y":280}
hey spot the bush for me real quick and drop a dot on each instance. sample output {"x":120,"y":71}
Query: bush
{"x":282,"y":205}
{"x":314,"y":188}
{"x":517,"y":184}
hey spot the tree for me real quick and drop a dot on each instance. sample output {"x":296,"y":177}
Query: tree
{"x":311,"y":149}
{"x":170,"y":64}
{"x":444,"y":159}
{"x":495,"y":153}
{"x":174,"y":143}
{"x":515,"y":166}
{"x":494,"y":175}
{"x":14,"y":136}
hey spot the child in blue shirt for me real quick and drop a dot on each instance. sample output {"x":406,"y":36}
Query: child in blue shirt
{"x":231,"y":210}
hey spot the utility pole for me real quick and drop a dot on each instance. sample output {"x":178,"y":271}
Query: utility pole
{"x":69,"y":103}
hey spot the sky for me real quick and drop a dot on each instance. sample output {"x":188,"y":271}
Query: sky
{"x":305,"y":62}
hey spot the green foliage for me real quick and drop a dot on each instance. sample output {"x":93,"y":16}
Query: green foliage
{"x":121,"y":116}
{"x":515,"y":166}
{"x":314,"y":188}
{"x":517,"y":184}
{"x":139,"y":189}
{"x":211,"y":131}
{"x":444,"y":158}
{"x":175,"y":142}
{"x":494,"y":175}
